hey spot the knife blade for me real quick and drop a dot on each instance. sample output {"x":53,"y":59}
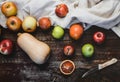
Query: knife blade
{"x":99,"y":67}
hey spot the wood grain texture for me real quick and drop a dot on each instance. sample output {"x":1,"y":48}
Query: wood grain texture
{"x":18,"y":67}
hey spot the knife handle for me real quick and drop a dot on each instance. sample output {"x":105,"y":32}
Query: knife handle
{"x":108,"y":63}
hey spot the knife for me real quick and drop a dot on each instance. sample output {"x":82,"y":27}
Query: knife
{"x":99,"y":67}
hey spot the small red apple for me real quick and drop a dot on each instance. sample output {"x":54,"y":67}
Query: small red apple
{"x":61,"y":10}
{"x":9,"y":9}
{"x":14,"y":23}
{"x":99,"y":37}
{"x":69,"y":50}
{"x":6,"y":47}
{"x":45,"y":23}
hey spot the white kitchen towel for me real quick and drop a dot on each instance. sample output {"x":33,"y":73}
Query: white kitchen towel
{"x":102,"y":13}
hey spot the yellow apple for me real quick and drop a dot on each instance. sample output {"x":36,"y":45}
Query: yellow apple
{"x":9,"y":9}
{"x":29,"y":24}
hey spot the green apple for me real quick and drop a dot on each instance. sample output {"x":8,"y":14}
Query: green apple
{"x":58,"y":32}
{"x":87,"y":50}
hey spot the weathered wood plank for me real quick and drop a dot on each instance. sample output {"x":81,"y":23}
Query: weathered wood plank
{"x":19,"y":68}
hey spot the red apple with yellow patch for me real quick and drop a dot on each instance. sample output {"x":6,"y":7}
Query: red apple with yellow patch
{"x":14,"y":23}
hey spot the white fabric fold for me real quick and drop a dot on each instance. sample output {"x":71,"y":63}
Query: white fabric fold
{"x":102,"y":13}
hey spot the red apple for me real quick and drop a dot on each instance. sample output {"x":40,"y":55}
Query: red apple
{"x":45,"y":23}
{"x":14,"y":23}
{"x":6,"y":47}
{"x":9,"y":9}
{"x":69,"y":50}
{"x":61,"y":10}
{"x":99,"y":37}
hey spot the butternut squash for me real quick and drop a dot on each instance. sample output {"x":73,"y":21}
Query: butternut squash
{"x":37,"y":50}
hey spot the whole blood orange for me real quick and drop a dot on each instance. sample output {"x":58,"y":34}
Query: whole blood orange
{"x":76,"y":31}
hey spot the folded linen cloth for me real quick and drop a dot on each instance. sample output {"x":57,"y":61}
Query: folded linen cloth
{"x":102,"y":13}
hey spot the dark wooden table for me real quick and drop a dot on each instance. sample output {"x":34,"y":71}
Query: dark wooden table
{"x":18,"y":67}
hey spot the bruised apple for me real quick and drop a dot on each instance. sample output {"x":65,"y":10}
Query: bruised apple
{"x":6,"y":47}
{"x":29,"y":24}
{"x":14,"y":23}
{"x":61,"y":10}
{"x":44,"y":23}
{"x":9,"y":9}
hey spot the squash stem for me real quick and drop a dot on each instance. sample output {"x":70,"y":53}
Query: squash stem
{"x":19,"y":34}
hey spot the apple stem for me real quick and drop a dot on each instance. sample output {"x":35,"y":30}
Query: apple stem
{"x":7,"y":6}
